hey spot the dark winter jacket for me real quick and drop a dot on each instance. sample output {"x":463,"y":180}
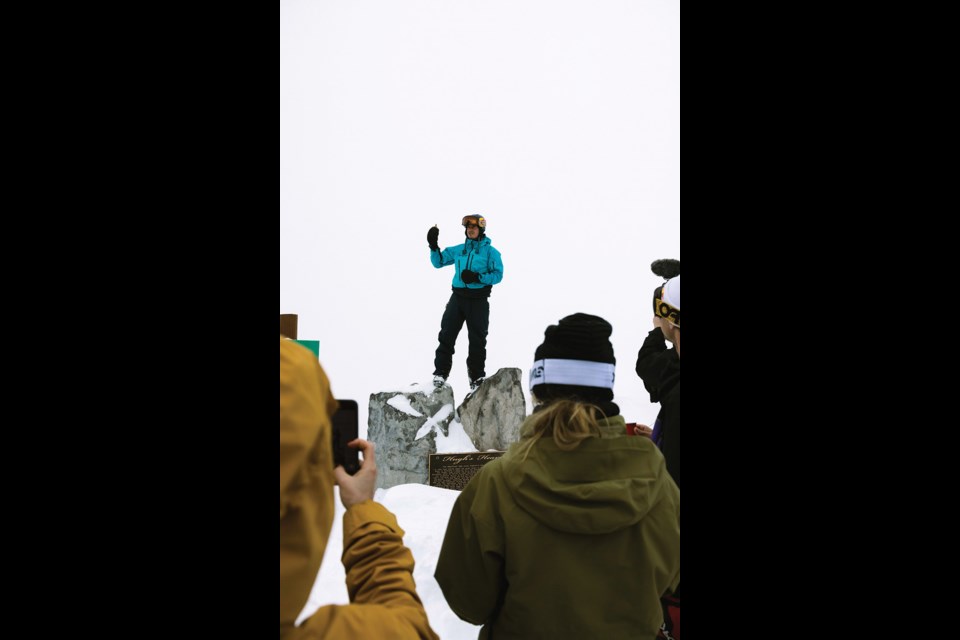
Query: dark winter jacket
{"x":655,"y":362}
{"x":565,"y":544}
{"x":659,"y":368}
{"x":475,"y":255}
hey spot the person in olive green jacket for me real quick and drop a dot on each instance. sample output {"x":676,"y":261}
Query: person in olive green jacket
{"x":383,"y":596}
{"x":575,"y":531}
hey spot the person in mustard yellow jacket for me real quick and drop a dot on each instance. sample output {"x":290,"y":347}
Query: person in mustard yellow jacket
{"x":383,"y":597}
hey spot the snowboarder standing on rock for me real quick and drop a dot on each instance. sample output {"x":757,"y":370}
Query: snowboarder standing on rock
{"x":477,"y":267}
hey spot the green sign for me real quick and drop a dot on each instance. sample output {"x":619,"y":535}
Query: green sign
{"x":313,"y":345}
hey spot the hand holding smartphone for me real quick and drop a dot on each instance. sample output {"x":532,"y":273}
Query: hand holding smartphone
{"x":345,"y":429}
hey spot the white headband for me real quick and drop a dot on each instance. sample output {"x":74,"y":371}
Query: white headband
{"x":583,"y":373}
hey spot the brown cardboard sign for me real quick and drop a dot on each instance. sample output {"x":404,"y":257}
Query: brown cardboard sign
{"x":454,"y":470}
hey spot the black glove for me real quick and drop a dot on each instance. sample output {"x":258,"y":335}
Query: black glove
{"x":432,"y":236}
{"x":469,"y":277}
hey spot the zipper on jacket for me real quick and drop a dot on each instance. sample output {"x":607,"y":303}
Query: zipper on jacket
{"x":469,"y":259}
{"x":470,"y":256}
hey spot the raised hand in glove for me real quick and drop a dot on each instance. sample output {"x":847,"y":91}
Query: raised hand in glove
{"x":432,"y":236}
{"x":469,"y":277}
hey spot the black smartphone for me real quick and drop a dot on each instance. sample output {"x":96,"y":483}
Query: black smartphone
{"x":345,"y":424}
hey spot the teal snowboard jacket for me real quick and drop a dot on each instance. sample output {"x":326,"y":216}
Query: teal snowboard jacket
{"x":475,"y":255}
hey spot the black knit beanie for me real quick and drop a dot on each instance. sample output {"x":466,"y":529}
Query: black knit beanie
{"x":579,"y":337}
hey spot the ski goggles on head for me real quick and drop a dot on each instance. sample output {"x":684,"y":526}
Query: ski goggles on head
{"x":663,"y":309}
{"x":476,"y":221}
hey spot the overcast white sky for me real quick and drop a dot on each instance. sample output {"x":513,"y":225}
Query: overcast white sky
{"x":557,"y":120}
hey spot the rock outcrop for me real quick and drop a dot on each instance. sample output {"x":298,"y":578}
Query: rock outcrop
{"x":402,"y":426}
{"x":491,"y":415}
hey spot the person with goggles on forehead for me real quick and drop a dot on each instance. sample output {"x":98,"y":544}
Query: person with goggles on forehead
{"x":477,"y":267}
{"x":659,"y":368}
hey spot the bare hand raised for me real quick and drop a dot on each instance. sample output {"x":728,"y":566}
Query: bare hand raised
{"x":362,"y":485}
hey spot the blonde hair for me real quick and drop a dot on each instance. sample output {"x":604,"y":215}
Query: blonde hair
{"x":568,"y":421}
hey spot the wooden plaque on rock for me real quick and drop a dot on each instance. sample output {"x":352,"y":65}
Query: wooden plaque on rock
{"x":454,"y":470}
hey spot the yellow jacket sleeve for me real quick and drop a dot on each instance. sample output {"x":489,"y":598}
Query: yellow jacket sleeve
{"x":380,"y":583}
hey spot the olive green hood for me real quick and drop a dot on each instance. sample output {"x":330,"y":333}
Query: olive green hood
{"x":603,"y":485}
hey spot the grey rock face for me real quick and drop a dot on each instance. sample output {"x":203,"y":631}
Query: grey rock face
{"x":404,"y":439}
{"x":492,"y":415}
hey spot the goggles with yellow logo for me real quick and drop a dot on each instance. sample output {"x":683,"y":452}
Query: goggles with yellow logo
{"x":663,"y":309}
{"x":476,"y":221}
